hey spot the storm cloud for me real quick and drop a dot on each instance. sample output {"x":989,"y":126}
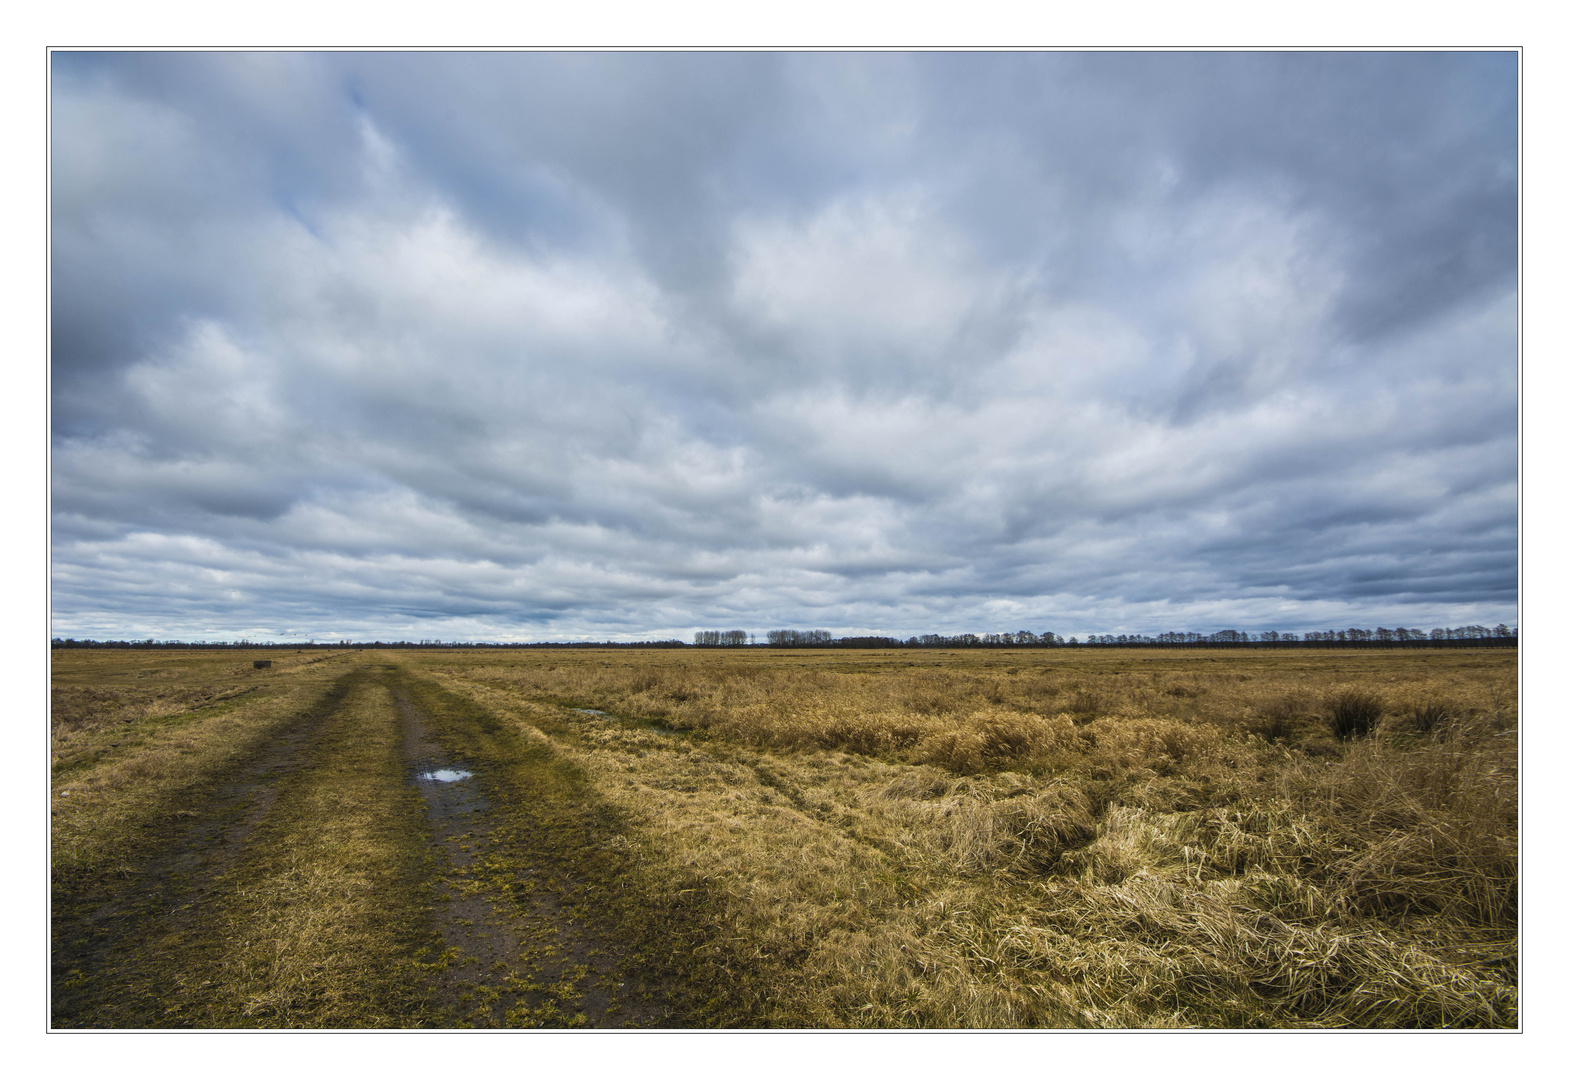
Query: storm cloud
{"x":544,"y":346}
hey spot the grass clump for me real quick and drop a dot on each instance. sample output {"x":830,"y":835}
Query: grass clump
{"x":1431,"y":714}
{"x":1354,"y":713}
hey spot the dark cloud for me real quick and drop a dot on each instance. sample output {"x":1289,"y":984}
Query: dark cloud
{"x":590,"y":344}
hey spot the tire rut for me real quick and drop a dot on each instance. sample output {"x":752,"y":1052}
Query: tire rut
{"x":518,"y":953}
{"x":99,"y":945}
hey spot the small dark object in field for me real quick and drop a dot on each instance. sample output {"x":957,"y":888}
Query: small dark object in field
{"x":261,"y":663}
{"x":1354,"y":712}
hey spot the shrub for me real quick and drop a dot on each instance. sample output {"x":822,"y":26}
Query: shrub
{"x":1353,"y":713}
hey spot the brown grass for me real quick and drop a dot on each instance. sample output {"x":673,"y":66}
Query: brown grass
{"x":1131,"y":840}
{"x":149,"y":745}
{"x":319,"y":921}
{"x":244,"y":877}
{"x":1053,"y":839}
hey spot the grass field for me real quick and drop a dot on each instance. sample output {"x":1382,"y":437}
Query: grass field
{"x":756,"y":837}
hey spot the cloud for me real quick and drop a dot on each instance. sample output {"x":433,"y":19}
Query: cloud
{"x":618,"y":345}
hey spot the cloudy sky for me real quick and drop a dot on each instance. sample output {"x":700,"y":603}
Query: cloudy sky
{"x":549,"y":346}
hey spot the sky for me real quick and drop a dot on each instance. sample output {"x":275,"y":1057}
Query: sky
{"x":618,"y":346}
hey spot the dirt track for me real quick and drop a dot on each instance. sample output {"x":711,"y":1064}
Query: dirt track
{"x":111,"y":933}
{"x":170,"y":936}
{"x":515,"y":954}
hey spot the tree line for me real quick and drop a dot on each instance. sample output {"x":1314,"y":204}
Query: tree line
{"x":1500,"y":634}
{"x":721,"y":637}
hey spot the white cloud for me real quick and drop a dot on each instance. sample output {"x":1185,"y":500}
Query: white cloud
{"x":886,"y":276}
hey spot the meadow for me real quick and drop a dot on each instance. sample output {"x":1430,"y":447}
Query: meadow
{"x":761,"y":837}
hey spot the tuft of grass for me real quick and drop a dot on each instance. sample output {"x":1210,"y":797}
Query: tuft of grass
{"x":1431,"y":714}
{"x":1354,"y":713}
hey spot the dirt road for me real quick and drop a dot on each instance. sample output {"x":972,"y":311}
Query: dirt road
{"x":376,"y":858}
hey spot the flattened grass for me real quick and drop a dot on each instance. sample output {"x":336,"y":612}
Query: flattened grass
{"x":117,"y":782}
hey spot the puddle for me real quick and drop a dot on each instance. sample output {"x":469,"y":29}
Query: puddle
{"x":444,"y":776}
{"x":592,"y":712}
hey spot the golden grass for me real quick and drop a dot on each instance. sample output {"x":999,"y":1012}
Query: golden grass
{"x":1129,"y":840}
{"x":322,"y":912}
{"x":116,"y":775}
{"x":1043,"y":838}
{"x":210,"y":872}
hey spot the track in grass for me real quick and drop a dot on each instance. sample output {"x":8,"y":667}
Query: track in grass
{"x":341,"y":874}
{"x":117,"y":932}
{"x":516,"y":950}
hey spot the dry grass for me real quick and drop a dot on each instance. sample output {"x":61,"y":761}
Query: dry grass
{"x":1133,"y":840}
{"x":319,"y":921}
{"x":1354,"y":713}
{"x":257,"y":863}
{"x":1052,"y":839}
{"x":120,"y":768}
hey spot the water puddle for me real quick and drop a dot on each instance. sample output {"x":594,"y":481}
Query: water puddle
{"x":592,"y":712}
{"x":443,"y":776}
